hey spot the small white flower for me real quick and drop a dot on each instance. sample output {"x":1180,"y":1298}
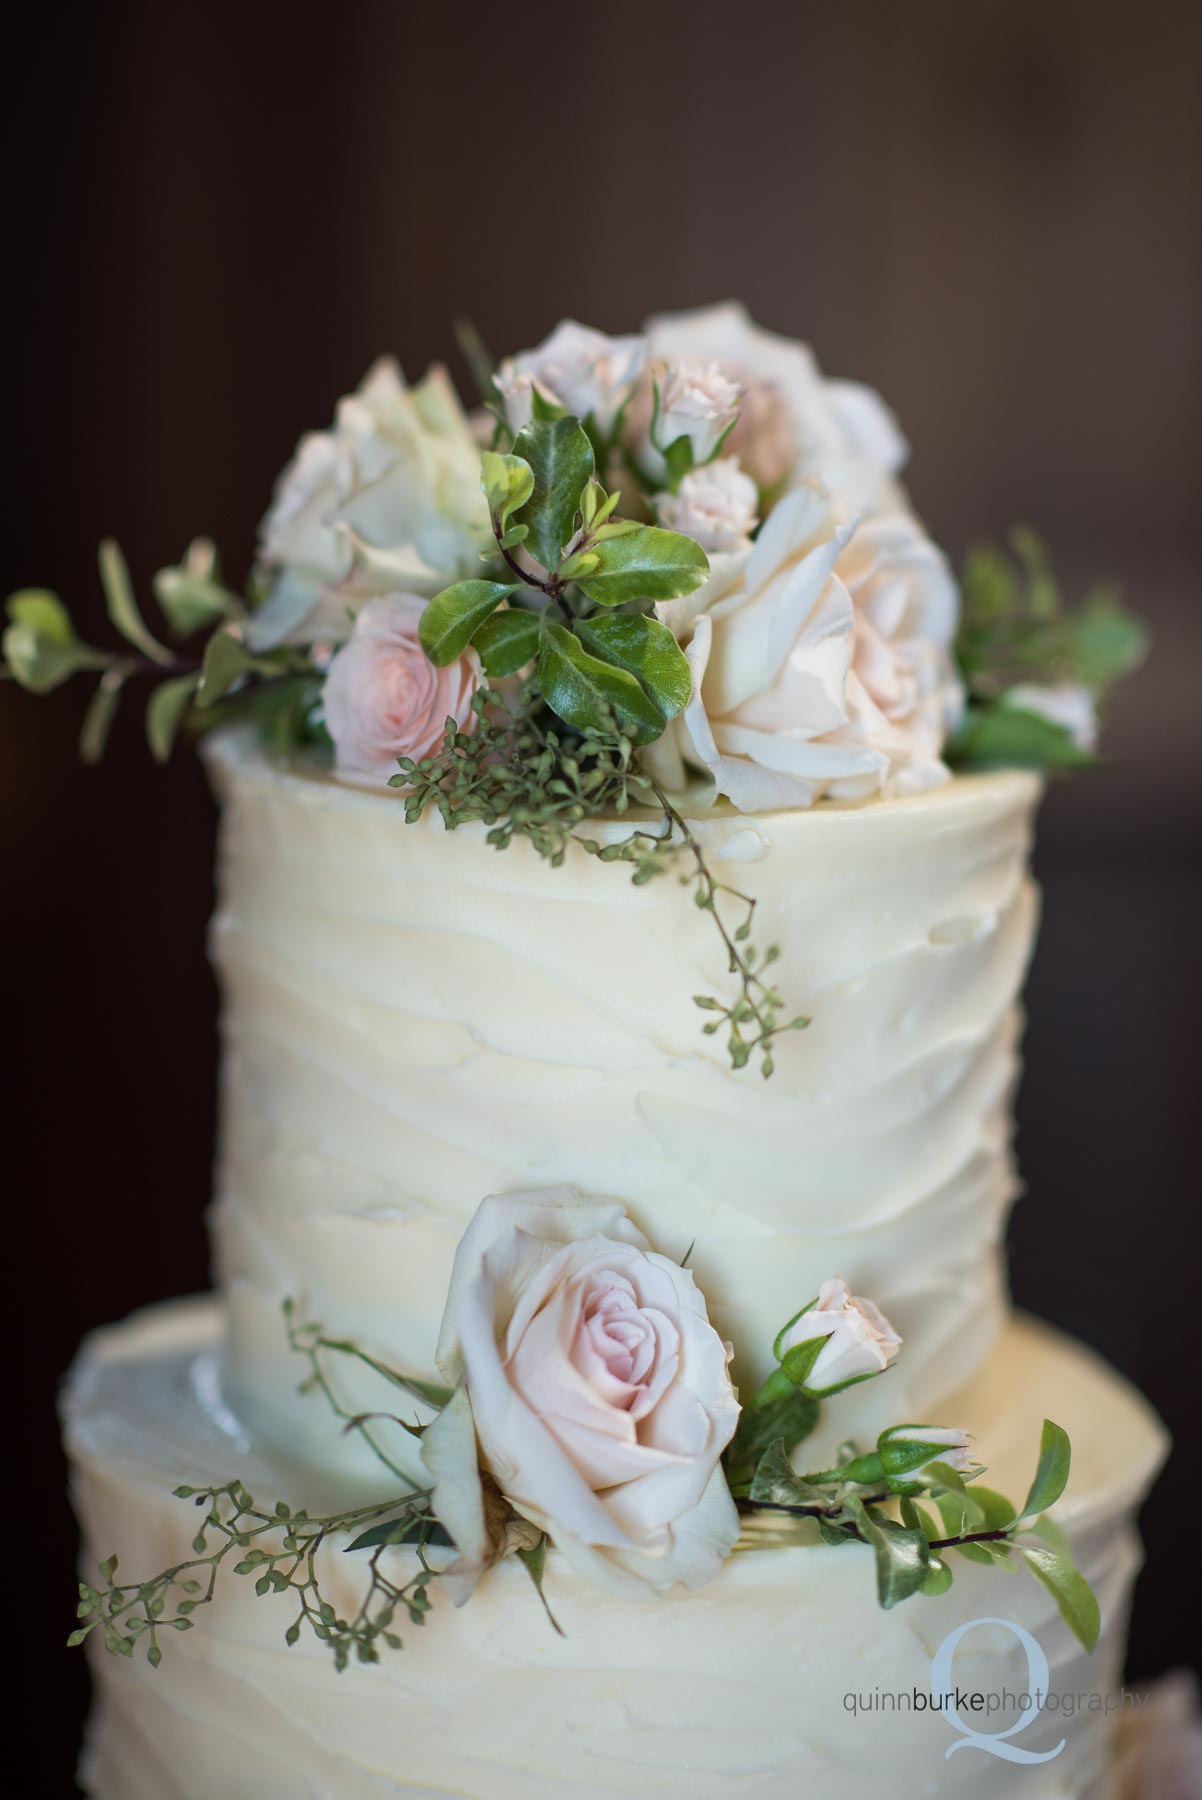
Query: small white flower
{"x":582,"y":370}
{"x":697,"y":401}
{"x":1069,"y":705}
{"x":793,"y":422}
{"x":715,"y":505}
{"x":860,"y":1341}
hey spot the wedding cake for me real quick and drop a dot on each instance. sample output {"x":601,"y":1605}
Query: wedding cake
{"x":589,"y":1239}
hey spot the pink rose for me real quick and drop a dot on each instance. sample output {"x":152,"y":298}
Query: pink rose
{"x":598,"y":1390}
{"x":383,"y":697}
{"x":859,"y":1338}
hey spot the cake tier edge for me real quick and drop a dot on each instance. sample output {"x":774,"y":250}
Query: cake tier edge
{"x":758,"y":1684}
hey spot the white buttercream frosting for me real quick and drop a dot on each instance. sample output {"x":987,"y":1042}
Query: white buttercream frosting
{"x":414,"y":1021}
{"x":735,"y":1690}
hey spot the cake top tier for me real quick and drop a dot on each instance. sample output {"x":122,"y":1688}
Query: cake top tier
{"x":414,"y":1021}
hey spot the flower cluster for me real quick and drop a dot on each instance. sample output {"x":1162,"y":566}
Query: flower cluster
{"x":589,"y":1406}
{"x":683,"y":554}
{"x":688,"y":533}
{"x":817,"y":626}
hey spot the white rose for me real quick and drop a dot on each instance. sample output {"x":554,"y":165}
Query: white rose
{"x":695,"y":401}
{"x":384,"y":699}
{"x":821,"y":661}
{"x":1068,"y":704}
{"x":599,"y":1393}
{"x":859,"y":1338}
{"x":399,"y":474}
{"x":770,"y":662}
{"x":793,"y":423}
{"x":577,"y":368}
{"x":716,"y":505}
{"x":904,"y":694}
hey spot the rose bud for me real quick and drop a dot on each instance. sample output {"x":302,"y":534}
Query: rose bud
{"x":836,"y":1341}
{"x":907,"y":1453}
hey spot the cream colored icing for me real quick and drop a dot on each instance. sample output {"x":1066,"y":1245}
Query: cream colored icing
{"x":737,"y":1689}
{"x":413,"y":1021}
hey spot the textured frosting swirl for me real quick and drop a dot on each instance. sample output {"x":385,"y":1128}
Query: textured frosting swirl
{"x":413,"y":1021}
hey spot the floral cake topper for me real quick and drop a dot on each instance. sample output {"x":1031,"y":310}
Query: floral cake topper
{"x":653,"y":573}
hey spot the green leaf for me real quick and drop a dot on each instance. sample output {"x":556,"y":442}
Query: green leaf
{"x":561,"y":461}
{"x":102,"y":709}
{"x":645,"y":564}
{"x":453,"y":617}
{"x":534,"y":1562}
{"x":191,"y":593}
{"x":587,"y":692}
{"x":1001,"y":736}
{"x":543,"y":408}
{"x":40,"y":647}
{"x":508,"y":482}
{"x":44,"y":614}
{"x":960,"y":1513}
{"x":596,"y":506}
{"x":648,"y":650}
{"x":405,"y":1530}
{"x":1051,"y":1474}
{"x":123,"y":608}
{"x":507,"y":641}
{"x":938,"y":1580}
{"x":902,"y":1558}
{"x":166,"y":711}
{"x":1107,"y":641}
{"x":985,"y":1554}
{"x":1045,"y":1527}
{"x":789,"y":1419}
{"x":799,"y":1359}
{"x":996,"y":1511}
{"x":226,"y":662}
{"x":1074,"y":1597}
{"x":775,"y":1483}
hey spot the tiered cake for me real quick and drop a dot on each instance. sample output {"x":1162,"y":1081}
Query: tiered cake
{"x":477,"y":1151}
{"x":413,"y":1022}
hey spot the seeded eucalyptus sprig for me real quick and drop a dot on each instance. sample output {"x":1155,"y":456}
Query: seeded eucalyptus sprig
{"x":279,"y":1547}
{"x":521,"y":777}
{"x":279,"y":1544}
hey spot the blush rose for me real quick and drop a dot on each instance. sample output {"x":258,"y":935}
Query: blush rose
{"x":598,"y":1391}
{"x":384,"y":699}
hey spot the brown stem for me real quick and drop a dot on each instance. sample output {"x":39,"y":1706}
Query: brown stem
{"x":971,"y":1537}
{"x":551,"y":587}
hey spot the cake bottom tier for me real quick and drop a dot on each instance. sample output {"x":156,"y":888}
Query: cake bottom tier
{"x":780,"y":1678}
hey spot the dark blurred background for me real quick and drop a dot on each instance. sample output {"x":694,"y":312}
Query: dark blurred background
{"x":993,"y":212}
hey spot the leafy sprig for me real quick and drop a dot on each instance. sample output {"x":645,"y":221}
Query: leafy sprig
{"x":913,"y":1549}
{"x":1017,"y":630}
{"x":521,"y":777}
{"x":578,"y":590}
{"x":280,"y":1545}
{"x":195,"y":686}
